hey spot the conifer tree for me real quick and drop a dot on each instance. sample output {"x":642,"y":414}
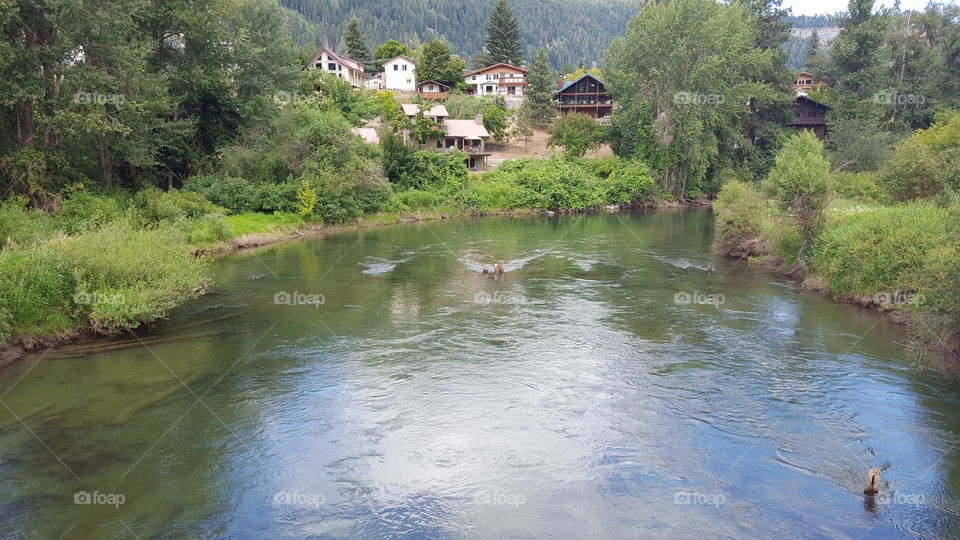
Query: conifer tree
{"x":503,"y":35}
{"x":354,"y":43}
{"x":538,"y":105}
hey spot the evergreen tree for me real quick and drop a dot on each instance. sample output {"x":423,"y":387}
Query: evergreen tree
{"x":503,"y":35}
{"x":355,"y":46}
{"x":438,"y":63}
{"x":538,"y":105}
{"x":813,"y":50}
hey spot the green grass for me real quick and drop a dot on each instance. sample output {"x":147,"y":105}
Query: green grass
{"x":255,"y":222}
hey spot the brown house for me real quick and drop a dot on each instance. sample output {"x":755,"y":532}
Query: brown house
{"x":433,"y":90}
{"x":586,"y":95}
{"x":810,"y":114}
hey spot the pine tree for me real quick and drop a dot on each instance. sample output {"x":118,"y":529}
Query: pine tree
{"x":503,"y":35}
{"x":538,"y":105}
{"x":812,"y":62}
{"x":353,"y":41}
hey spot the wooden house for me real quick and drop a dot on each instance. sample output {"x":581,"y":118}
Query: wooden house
{"x":810,"y":114}
{"x":469,"y":136}
{"x":433,"y":90}
{"x":586,"y":95}
{"x":497,"y":80}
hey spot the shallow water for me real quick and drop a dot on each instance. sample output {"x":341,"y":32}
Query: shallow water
{"x":375,"y":384}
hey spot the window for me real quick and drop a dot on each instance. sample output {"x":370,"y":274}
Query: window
{"x":409,"y":81}
{"x":404,"y":67}
{"x":396,"y":67}
{"x":489,"y":89}
{"x":473,"y":78}
{"x":496,"y":76}
{"x":332,"y":66}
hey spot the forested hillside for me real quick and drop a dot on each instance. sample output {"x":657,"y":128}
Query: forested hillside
{"x":574,"y":32}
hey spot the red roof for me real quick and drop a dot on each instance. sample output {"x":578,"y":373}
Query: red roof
{"x":338,"y":58}
{"x":488,"y":68}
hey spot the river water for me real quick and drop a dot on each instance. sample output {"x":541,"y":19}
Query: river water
{"x":375,"y":384}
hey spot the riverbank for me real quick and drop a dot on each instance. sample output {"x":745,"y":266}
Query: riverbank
{"x":902,"y":259}
{"x":260,"y":230}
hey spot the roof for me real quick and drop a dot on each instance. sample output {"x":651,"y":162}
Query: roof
{"x":431,"y":81}
{"x":369,"y":134}
{"x":498,"y":64}
{"x":464,"y":128}
{"x":802,"y":98}
{"x":349,"y":62}
{"x":410,"y":109}
{"x":407,"y":58}
{"x":575,"y":81}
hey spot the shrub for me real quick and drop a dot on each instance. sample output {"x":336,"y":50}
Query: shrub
{"x":577,"y":134}
{"x":85,"y":211}
{"x":20,"y":225}
{"x":860,"y":186}
{"x":174,"y":205}
{"x":629,"y":182}
{"x":207,"y":229}
{"x":415,"y":198}
{"x":926,"y":163}
{"x":744,"y":220}
{"x":880,"y":249}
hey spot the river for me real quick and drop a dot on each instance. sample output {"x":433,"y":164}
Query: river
{"x":375,"y":384}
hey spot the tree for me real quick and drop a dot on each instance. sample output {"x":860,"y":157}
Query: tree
{"x":800,"y":183}
{"x":354,"y":43}
{"x":438,"y":63}
{"x":538,"y":104}
{"x":521,"y":128}
{"x":577,"y":134}
{"x":857,"y":62}
{"x":503,"y":35}
{"x":386,"y":51}
{"x":694,"y":94}
{"x":495,"y":121}
{"x":926,"y":163}
{"x":423,"y":129}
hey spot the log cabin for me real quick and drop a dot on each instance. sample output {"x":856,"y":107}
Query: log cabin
{"x":810,"y":114}
{"x":586,"y":95}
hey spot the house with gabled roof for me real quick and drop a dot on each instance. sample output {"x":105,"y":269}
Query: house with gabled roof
{"x":586,"y":95}
{"x":430,"y":89}
{"x":400,"y":73}
{"x":347,"y":69}
{"x":810,"y":114}
{"x":500,"y":79}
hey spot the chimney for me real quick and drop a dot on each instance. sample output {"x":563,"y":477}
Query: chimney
{"x":560,"y":83}
{"x":326,"y":43}
{"x":478,"y":119}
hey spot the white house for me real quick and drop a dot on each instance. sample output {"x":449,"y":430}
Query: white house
{"x":400,"y":73}
{"x":497,"y":80}
{"x":469,"y":136}
{"x":347,"y":69}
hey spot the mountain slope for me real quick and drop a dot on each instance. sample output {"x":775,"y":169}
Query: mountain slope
{"x":575,"y":31}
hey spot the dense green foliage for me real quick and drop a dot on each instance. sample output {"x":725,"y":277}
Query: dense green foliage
{"x":538,"y":105}
{"x":436,"y":62}
{"x":503,"y":40}
{"x":710,"y":97}
{"x":354,"y":44}
{"x":577,"y":134}
{"x":926,"y":163}
{"x":576,"y":32}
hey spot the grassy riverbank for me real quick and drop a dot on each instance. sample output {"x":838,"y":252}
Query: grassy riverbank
{"x":108,"y":262}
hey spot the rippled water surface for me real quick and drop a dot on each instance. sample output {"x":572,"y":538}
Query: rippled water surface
{"x":375,"y":384}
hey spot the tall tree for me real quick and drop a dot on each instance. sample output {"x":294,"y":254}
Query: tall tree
{"x":683,"y":76}
{"x":386,"y":51}
{"x":503,"y":35}
{"x":857,"y":60}
{"x":437,"y":62}
{"x":355,"y":46}
{"x":538,"y":105}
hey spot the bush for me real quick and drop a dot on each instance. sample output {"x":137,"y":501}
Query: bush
{"x":577,"y":134}
{"x":744,"y":220}
{"x":23,"y":226}
{"x":69,"y":281}
{"x":207,"y":229}
{"x":859,"y":186}
{"x":84,"y":211}
{"x":174,"y":205}
{"x":926,"y":163}
{"x":415,"y":198}
{"x":630,"y":182}
{"x":871,"y":250}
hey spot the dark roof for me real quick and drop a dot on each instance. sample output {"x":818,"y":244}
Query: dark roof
{"x":801,"y":99}
{"x":575,"y":81}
